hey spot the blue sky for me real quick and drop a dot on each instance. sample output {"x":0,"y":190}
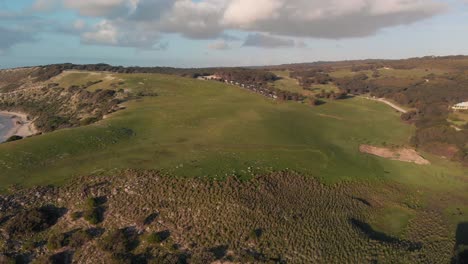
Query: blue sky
{"x":186,"y":33}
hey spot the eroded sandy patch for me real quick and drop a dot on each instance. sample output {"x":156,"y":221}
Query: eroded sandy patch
{"x":400,"y":154}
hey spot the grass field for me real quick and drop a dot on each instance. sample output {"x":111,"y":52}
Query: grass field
{"x":287,"y":83}
{"x":197,"y":128}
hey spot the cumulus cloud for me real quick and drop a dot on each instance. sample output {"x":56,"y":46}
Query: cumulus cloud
{"x":331,"y":19}
{"x":108,"y":33}
{"x":266,"y":41}
{"x":197,"y":20}
{"x":210,"y":19}
{"x":245,"y":13}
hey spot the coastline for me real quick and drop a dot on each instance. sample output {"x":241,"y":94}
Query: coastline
{"x":21,"y":125}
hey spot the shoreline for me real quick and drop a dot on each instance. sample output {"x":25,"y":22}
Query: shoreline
{"x":21,"y":125}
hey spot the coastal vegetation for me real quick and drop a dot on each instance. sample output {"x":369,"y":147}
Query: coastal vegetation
{"x":280,"y":217}
{"x":143,"y":167}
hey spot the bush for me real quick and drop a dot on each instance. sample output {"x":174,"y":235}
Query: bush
{"x":93,"y":211}
{"x":153,"y":238}
{"x":91,"y":203}
{"x":88,"y":121}
{"x":116,"y":241}
{"x":34,"y":220}
{"x":76,"y":215}
{"x":158,"y":237}
{"x":28,"y":246}
{"x":79,"y":238}
{"x":56,"y":241}
{"x":93,"y":216}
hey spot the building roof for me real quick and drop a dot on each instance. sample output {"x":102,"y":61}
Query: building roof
{"x":463,"y":104}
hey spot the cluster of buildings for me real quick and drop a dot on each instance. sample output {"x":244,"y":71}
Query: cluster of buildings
{"x":210,"y":77}
{"x":260,"y":90}
{"x":461,"y":106}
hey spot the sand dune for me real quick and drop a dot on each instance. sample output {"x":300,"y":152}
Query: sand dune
{"x":22,"y":126}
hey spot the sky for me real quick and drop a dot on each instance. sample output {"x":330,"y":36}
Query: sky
{"x":208,"y":33}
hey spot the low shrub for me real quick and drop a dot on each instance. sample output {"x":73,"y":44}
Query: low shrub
{"x":33,"y":220}
{"x":79,"y":238}
{"x":56,"y":241}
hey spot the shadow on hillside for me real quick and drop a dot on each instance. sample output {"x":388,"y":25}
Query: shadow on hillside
{"x":461,"y":244}
{"x":367,"y":229}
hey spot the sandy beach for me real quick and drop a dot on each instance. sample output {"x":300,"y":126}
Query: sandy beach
{"x":21,"y":125}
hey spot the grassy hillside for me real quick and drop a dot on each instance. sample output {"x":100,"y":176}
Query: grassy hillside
{"x":193,"y":133}
{"x":200,"y":128}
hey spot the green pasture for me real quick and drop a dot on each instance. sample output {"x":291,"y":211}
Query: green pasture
{"x":287,"y":83}
{"x":208,"y":129}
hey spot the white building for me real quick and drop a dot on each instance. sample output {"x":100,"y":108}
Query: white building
{"x":210,"y":77}
{"x":461,"y":106}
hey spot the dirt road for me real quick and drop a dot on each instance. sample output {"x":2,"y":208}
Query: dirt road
{"x":385,"y":101}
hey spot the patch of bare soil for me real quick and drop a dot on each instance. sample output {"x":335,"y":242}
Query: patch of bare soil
{"x":401,"y":154}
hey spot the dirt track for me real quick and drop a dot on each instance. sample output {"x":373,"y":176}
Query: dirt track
{"x":385,"y":101}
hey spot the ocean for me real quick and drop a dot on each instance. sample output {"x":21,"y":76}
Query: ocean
{"x":5,"y":125}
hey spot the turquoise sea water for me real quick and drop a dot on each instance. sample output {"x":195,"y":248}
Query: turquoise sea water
{"x":5,"y":125}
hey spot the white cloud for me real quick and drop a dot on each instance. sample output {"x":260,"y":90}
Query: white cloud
{"x":197,"y":20}
{"x":112,"y":34}
{"x":245,"y":13}
{"x":104,"y":33}
{"x":333,"y":19}
{"x":146,"y":20}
